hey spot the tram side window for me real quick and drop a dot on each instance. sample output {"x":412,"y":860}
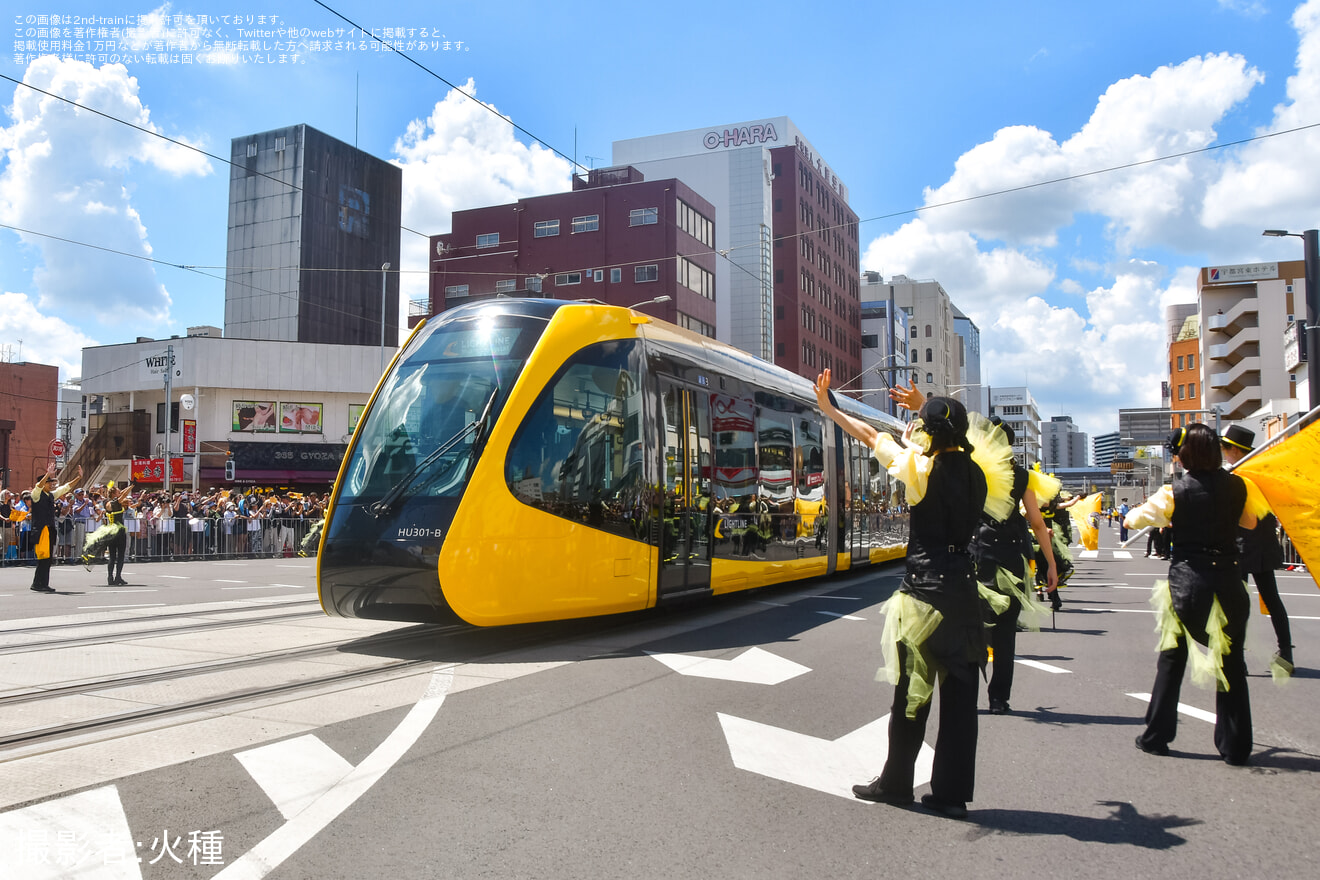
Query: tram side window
{"x":809,"y":461}
{"x":578,"y":454}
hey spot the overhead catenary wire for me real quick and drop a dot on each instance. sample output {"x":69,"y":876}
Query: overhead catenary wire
{"x":724,"y":253}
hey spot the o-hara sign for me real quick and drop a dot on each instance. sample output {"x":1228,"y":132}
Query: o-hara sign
{"x":741,"y":136}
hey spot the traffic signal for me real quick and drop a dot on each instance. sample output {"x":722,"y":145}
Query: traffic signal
{"x":229,"y":471}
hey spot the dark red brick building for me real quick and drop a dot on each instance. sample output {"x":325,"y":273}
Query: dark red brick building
{"x":817,"y":281}
{"x":616,"y":238}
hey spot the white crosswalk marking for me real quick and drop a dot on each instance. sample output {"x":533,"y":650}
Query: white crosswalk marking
{"x":295,"y":772}
{"x":82,"y":835}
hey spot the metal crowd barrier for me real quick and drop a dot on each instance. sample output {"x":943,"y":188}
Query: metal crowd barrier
{"x":175,"y":538}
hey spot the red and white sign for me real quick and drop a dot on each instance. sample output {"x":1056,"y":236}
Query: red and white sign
{"x":189,"y":436}
{"x":57,"y":448}
{"x":152,"y":470}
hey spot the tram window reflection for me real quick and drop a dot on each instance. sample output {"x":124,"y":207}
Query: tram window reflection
{"x":578,"y":453}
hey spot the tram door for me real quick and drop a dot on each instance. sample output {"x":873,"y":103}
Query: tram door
{"x":686,"y":468}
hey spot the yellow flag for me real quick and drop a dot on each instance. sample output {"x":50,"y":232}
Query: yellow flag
{"x":1288,"y":474}
{"x":1081,"y":514}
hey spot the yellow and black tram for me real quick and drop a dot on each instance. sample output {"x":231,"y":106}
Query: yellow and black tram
{"x":528,"y":460}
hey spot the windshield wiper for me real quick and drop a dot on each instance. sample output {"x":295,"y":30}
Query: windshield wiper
{"x":387,"y":501}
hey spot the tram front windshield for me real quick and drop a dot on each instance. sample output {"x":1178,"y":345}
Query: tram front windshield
{"x":422,"y":432}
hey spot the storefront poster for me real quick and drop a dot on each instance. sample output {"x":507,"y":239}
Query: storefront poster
{"x":300,"y":418}
{"x":254,"y":416}
{"x":354,"y":414}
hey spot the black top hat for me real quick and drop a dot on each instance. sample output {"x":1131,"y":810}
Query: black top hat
{"x":1238,"y":436}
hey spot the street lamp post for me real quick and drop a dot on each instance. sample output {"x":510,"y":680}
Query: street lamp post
{"x":384,"y":274}
{"x":1311,"y":249}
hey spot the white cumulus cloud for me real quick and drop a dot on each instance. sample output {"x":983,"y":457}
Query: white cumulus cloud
{"x":464,"y":156}
{"x":67,"y":176}
{"x":46,"y":339}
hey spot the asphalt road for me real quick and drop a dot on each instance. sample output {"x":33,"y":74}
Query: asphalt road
{"x":607,"y":749}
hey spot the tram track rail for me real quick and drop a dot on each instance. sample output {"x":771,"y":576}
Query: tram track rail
{"x":121,"y":635}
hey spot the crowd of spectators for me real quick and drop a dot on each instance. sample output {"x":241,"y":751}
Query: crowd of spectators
{"x":181,"y":524}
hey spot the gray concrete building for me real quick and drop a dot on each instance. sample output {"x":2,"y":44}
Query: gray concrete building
{"x":312,"y":220}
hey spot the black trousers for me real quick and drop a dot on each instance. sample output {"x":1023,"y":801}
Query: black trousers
{"x":116,"y":549}
{"x":1269,"y":593}
{"x":954,"y":773}
{"x":41,"y":577}
{"x":1233,"y":737}
{"x":1003,"y":641}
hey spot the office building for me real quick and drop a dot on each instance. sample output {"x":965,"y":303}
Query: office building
{"x":616,"y":237}
{"x":884,"y":349}
{"x":1016,"y":406}
{"x":1062,"y":445}
{"x":934,"y":346}
{"x":1107,"y":447}
{"x":1244,"y":313}
{"x":789,"y":280}
{"x":311,"y":222}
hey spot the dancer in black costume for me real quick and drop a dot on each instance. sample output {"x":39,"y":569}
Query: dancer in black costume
{"x":43,"y":524}
{"x":947,"y":490}
{"x":1000,"y":549}
{"x":1261,"y":555}
{"x":1205,"y":598}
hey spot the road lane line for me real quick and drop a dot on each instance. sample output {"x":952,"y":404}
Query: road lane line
{"x":293,"y":834}
{"x":843,"y":616}
{"x":1045,"y":667}
{"x":1189,"y":711}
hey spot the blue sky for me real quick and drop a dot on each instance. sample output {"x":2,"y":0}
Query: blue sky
{"x":912,"y":104}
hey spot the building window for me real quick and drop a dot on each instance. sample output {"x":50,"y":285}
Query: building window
{"x":488,"y":239}
{"x":928,"y":331}
{"x":914,"y":332}
{"x":598,"y":275}
{"x":870,"y":340}
{"x":930,"y":378}
{"x":589,"y":223}
{"x":616,"y":275}
{"x":456,"y":290}
{"x":1181,"y":390}
{"x":1180,"y":362}
{"x":1191,"y":390}
{"x":566,"y":278}
{"x":252,"y":150}
{"x":643,"y":216}
{"x":1191,"y":362}
{"x":646,"y":273}
{"x":532,"y":283}
{"x":506,"y":285}
{"x":546,"y":228}
{"x":280,"y":143}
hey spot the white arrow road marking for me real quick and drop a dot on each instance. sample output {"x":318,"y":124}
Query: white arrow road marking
{"x":1190,"y":711}
{"x":1036,"y":664}
{"x":295,"y":772}
{"x":82,"y":835}
{"x":285,"y":840}
{"x":753,"y":666}
{"x":829,"y":766}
